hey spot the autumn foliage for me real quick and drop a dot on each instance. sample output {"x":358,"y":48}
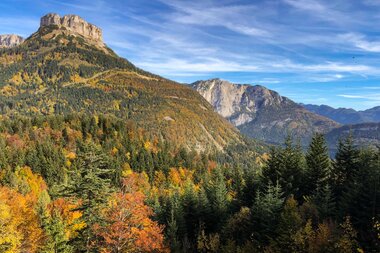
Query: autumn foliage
{"x":129,"y":226}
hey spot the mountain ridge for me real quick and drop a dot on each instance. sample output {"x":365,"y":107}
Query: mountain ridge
{"x":346,"y":115}
{"x":262,"y":113}
{"x":59,"y":71}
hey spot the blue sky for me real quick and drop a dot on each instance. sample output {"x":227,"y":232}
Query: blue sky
{"x":313,"y":51}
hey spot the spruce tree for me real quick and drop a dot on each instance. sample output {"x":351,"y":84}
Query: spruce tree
{"x":90,"y":182}
{"x":265,"y":213}
{"x":290,"y":223}
{"x":345,"y":174}
{"x":318,"y":165}
{"x":217,"y":193}
{"x":292,"y":169}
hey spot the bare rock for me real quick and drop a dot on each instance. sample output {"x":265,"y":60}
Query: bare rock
{"x":10,"y":40}
{"x":74,"y":24}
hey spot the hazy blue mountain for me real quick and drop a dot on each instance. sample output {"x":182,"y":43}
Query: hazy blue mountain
{"x":345,"y":115}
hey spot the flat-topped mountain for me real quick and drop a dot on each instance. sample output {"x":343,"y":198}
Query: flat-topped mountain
{"x":62,"y":69}
{"x":262,"y":113}
{"x":74,"y":24}
{"x":10,"y":40}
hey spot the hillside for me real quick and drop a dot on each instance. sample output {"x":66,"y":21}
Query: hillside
{"x":344,"y":115}
{"x":262,"y":113}
{"x":364,"y":135}
{"x":62,"y":69}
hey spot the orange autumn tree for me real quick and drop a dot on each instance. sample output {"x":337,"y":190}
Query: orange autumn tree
{"x":20,"y":229}
{"x":129,"y":226}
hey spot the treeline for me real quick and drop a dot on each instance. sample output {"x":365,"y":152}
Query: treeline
{"x":80,"y":183}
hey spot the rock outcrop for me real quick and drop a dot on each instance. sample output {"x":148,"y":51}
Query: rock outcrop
{"x":10,"y":40}
{"x":74,"y":24}
{"x":238,"y":103}
{"x":262,"y":113}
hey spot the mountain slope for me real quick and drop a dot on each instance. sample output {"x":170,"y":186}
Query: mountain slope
{"x":364,"y":135}
{"x":344,"y":115}
{"x":262,"y":113}
{"x":60,"y":69}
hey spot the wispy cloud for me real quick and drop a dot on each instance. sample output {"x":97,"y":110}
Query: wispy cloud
{"x":330,"y":45}
{"x":321,"y":10}
{"x":360,"y":42}
{"x":230,"y":17}
{"x":370,"y":97}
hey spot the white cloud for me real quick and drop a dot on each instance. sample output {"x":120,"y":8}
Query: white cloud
{"x":233,"y":17}
{"x":360,"y":42}
{"x":369,"y":97}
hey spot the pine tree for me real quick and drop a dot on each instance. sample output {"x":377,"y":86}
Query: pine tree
{"x":203,"y":208}
{"x":286,"y":166}
{"x":318,"y":165}
{"x":189,"y":205}
{"x":344,"y":174}
{"x":90,"y":183}
{"x":217,"y":193}
{"x":265,"y":213}
{"x":290,"y":223}
{"x":292,"y":171}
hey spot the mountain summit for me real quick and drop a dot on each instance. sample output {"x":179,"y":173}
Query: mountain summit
{"x":74,"y":24}
{"x":262,"y":113}
{"x":10,"y":40}
{"x":66,"y":68}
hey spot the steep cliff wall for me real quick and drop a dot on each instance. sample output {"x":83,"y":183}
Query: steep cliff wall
{"x":75,"y":24}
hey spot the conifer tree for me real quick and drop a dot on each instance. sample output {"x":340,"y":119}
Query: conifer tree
{"x":265,"y":213}
{"x":344,"y":173}
{"x":290,"y":223}
{"x":318,"y":165}
{"x":90,"y":183}
{"x":217,"y":192}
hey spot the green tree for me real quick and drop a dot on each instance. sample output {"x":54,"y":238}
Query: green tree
{"x":90,"y":182}
{"x":290,"y":223}
{"x":344,"y":174}
{"x":265,"y":213}
{"x":318,"y":165}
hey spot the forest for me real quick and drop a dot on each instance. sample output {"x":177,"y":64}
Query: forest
{"x":80,"y":183}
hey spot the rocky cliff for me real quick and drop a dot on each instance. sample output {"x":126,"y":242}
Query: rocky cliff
{"x":262,"y":113}
{"x":10,"y":40}
{"x":238,"y":103}
{"x":74,"y":24}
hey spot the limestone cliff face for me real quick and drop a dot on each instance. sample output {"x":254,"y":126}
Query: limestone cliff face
{"x":238,"y":103}
{"x":74,"y":24}
{"x":262,"y":113}
{"x":10,"y":40}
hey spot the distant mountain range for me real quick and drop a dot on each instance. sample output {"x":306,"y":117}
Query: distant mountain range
{"x":364,"y":135}
{"x":262,"y":113}
{"x":344,"y":115}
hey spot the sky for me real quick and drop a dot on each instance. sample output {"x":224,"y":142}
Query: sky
{"x":312,"y":51}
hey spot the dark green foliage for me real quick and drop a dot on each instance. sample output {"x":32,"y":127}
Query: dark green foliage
{"x":286,"y":166}
{"x":344,"y":174}
{"x":89,"y":181}
{"x":318,"y":165}
{"x":265,"y":213}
